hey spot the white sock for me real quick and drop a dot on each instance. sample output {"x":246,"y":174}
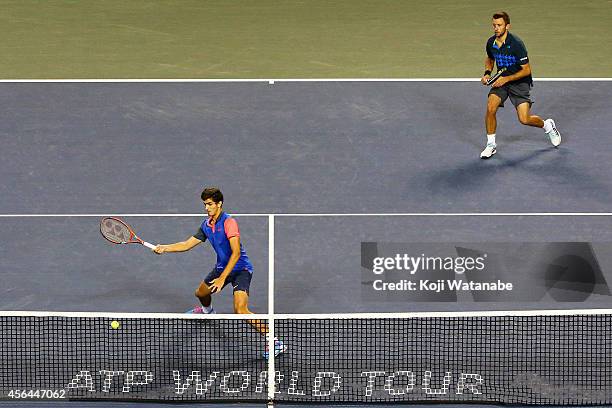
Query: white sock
{"x":207,"y":309}
{"x":547,"y":126}
{"x":491,"y":139}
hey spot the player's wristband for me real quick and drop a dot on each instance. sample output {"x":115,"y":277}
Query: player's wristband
{"x":487,"y":72}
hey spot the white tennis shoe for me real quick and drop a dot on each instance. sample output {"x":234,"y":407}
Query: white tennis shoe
{"x":488,"y":151}
{"x":553,"y":133}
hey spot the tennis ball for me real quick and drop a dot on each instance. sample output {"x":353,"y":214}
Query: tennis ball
{"x":115,"y":324}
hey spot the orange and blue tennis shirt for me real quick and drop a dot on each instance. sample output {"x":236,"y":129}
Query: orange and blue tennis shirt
{"x":219,"y":234}
{"x":511,"y":55}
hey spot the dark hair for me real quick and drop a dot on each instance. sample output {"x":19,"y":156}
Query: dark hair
{"x":212,"y":192}
{"x":502,"y":14}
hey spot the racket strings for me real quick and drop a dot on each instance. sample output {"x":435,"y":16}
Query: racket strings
{"x":115,"y":231}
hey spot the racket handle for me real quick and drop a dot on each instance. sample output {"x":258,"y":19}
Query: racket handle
{"x":149,"y":245}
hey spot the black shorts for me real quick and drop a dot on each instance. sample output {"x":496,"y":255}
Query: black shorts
{"x":518,"y":93}
{"x":240,"y":280}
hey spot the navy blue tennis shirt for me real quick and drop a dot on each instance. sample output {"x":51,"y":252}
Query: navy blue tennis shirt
{"x":512,"y":54}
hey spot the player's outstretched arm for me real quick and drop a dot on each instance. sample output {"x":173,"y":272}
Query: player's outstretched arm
{"x":182,"y":246}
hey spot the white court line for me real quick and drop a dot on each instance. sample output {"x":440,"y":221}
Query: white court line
{"x":271,"y":330}
{"x":131,"y":315}
{"x":275,"y":80}
{"x":503,"y":214}
{"x":289,"y":316}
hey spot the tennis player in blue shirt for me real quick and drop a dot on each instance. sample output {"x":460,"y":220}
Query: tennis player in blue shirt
{"x":232,"y":267}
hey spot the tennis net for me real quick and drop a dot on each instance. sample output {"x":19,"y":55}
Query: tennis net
{"x":540,"y":358}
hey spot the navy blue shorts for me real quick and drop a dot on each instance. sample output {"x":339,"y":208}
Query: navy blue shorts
{"x":240,"y":280}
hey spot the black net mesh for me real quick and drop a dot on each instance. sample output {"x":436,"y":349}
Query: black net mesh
{"x":519,"y":360}
{"x":555,"y":360}
{"x":152,"y":359}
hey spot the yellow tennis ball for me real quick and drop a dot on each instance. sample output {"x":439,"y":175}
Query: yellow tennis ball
{"x":115,"y":324}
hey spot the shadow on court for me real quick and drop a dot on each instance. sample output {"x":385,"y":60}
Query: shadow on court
{"x":297,"y":148}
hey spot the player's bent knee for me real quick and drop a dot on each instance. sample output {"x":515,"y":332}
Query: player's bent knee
{"x":492,"y":109}
{"x":202,"y":291}
{"x":524,"y":120}
{"x":241,"y":301}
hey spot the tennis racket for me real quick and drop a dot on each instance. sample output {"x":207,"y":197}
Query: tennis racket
{"x":494,"y":78}
{"x":118,"y":232}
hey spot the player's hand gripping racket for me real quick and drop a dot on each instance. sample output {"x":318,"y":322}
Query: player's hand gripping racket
{"x":495,"y":77}
{"x":118,"y":232}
